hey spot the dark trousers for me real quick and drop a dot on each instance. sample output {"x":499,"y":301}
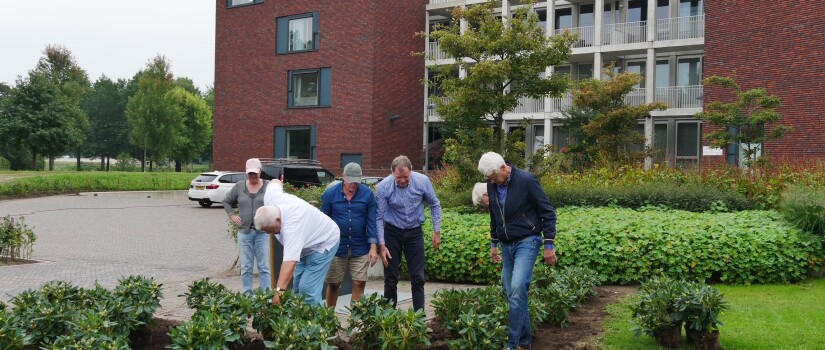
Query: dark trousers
{"x":411,"y":243}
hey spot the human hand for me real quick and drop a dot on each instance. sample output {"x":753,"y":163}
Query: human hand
{"x":385,"y":256}
{"x":373,"y":255}
{"x":236,"y":219}
{"x":436,"y":240}
{"x":550,"y":256}
{"x":276,"y":300}
{"x":494,"y":255}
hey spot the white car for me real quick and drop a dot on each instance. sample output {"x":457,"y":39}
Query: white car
{"x":213,"y":186}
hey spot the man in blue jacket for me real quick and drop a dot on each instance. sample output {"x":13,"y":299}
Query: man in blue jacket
{"x":520,"y":214}
{"x":352,"y":206}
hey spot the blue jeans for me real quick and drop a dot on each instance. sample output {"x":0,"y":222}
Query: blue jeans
{"x":254,"y":245}
{"x":517,"y":261}
{"x":310,"y":273}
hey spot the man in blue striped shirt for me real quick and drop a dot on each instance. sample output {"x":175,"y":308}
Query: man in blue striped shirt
{"x":401,"y":197}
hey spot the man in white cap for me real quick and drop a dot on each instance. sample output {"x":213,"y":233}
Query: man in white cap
{"x":310,"y":240}
{"x":352,"y":206}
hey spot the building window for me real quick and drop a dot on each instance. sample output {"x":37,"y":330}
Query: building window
{"x":236,"y":3}
{"x":295,"y":142}
{"x":297,"y":33}
{"x":310,"y":88}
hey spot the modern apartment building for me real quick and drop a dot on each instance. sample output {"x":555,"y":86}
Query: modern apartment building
{"x":332,"y":81}
{"x":354,"y":92}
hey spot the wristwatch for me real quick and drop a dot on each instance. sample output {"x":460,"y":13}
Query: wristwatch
{"x":278,"y":290}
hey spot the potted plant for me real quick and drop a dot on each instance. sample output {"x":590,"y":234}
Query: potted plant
{"x":700,"y":307}
{"x":656,"y":314}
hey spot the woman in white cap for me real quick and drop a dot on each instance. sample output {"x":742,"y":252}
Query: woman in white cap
{"x":253,"y":244}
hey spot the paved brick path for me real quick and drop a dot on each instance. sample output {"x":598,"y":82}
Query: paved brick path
{"x":101,"y":237}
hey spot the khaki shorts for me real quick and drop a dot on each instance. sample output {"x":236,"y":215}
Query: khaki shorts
{"x":358,"y":267}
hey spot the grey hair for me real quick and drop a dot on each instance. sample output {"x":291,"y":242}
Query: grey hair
{"x":489,"y":163}
{"x":401,"y":162}
{"x":266,"y":216}
{"x":479,"y":190}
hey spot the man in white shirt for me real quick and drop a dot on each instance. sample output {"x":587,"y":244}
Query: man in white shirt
{"x":310,"y":240}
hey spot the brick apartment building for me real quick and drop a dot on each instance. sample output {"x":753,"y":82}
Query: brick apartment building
{"x":332,"y":81}
{"x":370,"y":105}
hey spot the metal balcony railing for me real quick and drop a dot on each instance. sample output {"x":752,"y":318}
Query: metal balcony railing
{"x":690,"y":96}
{"x":586,"y":36}
{"x":678,"y":28}
{"x":434,"y":52}
{"x":635,"y":97}
{"x":530,"y":105}
{"x":431,"y":106}
{"x":624,"y":33}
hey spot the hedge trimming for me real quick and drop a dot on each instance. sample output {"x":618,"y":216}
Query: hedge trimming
{"x":627,"y":246}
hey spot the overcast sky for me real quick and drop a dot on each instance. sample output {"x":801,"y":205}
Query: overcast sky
{"x":112,"y":37}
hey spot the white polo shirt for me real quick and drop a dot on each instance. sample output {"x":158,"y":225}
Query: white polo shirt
{"x":304,"y":228}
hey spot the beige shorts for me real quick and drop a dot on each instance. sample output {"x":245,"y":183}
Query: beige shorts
{"x":358,"y":267}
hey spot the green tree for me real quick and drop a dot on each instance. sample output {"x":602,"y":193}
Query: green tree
{"x":108,"y":135}
{"x":154,"y":118}
{"x":504,"y":61}
{"x":188,"y":85}
{"x":744,"y":119}
{"x":196,"y":133}
{"x":602,"y":123}
{"x":60,"y":67}
{"x":210,"y":100}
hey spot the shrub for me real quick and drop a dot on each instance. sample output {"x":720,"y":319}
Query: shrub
{"x":43,"y":313}
{"x":207,"y":331}
{"x":301,"y":326}
{"x":200,"y":290}
{"x":12,"y":337}
{"x":689,"y":196}
{"x":375,"y":324}
{"x":805,"y":207}
{"x":143,"y":294}
{"x":657,"y":309}
{"x":626,"y":246}
{"x":5,"y":164}
{"x":16,"y":239}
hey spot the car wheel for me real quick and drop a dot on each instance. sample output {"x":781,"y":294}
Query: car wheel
{"x":206,"y":203}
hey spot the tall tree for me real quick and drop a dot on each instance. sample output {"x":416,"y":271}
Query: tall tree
{"x":154,"y":118}
{"x":59,"y":66}
{"x":504,"y":60}
{"x":743,"y":120}
{"x":188,"y":85}
{"x":196,"y":133}
{"x":602,"y":123}
{"x":108,"y":135}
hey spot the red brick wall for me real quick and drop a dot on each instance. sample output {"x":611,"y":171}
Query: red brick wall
{"x":366,"y":43}
{"x":780,"y":46}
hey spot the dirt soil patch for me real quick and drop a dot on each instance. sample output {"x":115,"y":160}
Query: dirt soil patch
{"x":6,"y":261}
{"x":585,"y":322}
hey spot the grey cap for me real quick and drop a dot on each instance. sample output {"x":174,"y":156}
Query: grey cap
{"x":352,"y":172}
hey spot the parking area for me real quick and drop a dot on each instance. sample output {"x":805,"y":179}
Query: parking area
{"x":100,"y":237}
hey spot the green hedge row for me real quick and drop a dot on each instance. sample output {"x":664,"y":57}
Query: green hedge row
{"x":689,"y":196}
{"x":628,"y":246}
{"x":63,"y":183}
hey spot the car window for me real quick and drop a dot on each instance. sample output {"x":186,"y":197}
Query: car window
{"x":301,"y":176}
{"x":205,"y":178}
{"x":227,"y":179}
{"x":325,"y":176}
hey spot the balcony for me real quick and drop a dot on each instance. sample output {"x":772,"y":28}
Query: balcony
{"x":434,"y":52}
{"x":635,"y":97}
{"x":586,"y":36}
{"x":689,"y":96}
{"x":679,"y":28}
{"x":625,"y":33}
{"x":530,"y":105}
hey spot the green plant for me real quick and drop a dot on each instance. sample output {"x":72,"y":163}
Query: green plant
{"x":477,"y":331}
{"x":375,"y":324}
{"x":298,"y":325}
{"x":465,"y":255}
{"x":700,"y":307}
{"x":91,"y":330}
{"x":143,"y":294}
{"x":201,"y":289}
{"x":657,"y":309}
{"x":43,"y":312}
{"x":207,"y":331}
{"x":805,"y":207}
{"x":16,"y":239}
{"x":12,"y":337}
{"x":5,"y":164}
{"x":125,"y":162}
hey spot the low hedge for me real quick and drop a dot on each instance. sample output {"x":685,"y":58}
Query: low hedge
{"x":805,"y":207}
{"x":56,"y":183}
{"x":685,"y":196}
{"x":627,"y":246}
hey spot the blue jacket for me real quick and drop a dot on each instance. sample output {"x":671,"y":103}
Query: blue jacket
{"x":355,"y":218}
{"x":526,"y":212}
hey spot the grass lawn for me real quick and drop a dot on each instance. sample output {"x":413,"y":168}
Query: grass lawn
{"x":760,"y":317}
